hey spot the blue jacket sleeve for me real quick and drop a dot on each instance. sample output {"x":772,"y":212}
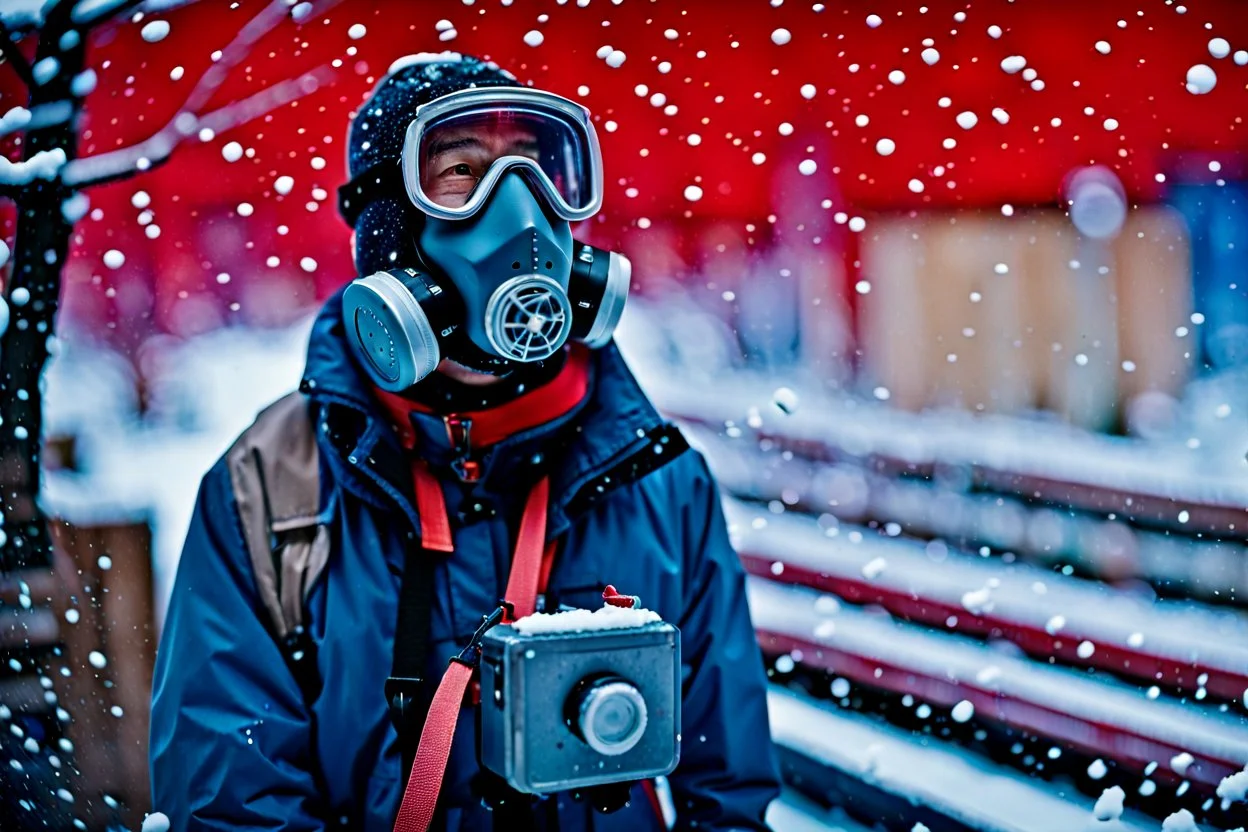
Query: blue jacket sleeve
{"x":727,"y":771}
{"x":231,"y":745}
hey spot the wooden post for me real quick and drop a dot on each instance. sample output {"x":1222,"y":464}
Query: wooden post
{"x":83,"y":635}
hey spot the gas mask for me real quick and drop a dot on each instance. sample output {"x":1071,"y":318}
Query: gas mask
{"x":497,"y":176}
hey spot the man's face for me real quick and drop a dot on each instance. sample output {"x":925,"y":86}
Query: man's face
{"x":458,"y":155}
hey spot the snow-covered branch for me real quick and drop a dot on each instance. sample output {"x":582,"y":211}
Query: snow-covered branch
{"x":15,"y":119}
{"x":45,"y":164}
{"x":126,"y":161}
{"x":91,"y":12}
{"x":156,"y":149}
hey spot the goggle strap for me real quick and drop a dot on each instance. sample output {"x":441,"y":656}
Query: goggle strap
{"x":381,"y":181}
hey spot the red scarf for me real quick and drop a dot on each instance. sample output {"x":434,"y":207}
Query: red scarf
{"x":536,"y":407}
{"x":528,"y":410}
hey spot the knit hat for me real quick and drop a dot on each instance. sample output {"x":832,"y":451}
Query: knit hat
{"x":385,"y":230}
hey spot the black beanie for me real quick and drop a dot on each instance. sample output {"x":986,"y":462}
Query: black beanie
{"x":384,"y":232}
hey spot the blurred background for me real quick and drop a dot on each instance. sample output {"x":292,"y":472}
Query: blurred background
{"x":953,"y":296}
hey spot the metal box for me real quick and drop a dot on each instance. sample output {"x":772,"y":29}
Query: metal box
{"x":541,"y":694}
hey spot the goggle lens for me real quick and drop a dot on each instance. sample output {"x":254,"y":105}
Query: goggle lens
{"x":458,"y":149}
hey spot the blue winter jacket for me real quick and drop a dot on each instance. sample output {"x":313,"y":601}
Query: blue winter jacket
{"x":233,"y":745}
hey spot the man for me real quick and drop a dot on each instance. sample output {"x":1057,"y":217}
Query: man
{"x":465,"y":390}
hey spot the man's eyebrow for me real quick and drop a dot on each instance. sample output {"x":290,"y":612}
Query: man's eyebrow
{"x":440,"y":146}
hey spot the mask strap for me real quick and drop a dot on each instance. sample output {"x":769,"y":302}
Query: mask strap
{"x":383,"y":180}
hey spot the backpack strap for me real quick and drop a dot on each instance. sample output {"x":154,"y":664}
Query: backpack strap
{"x":275,"y":471}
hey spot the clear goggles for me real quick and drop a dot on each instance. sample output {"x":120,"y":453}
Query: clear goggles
{"x":460,"y":145}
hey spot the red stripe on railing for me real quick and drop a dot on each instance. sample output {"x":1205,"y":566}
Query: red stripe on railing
{"x":1131,"y":749}
{"x":1136,"y":663}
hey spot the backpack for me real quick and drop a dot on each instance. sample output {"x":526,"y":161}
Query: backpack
{"x":275,"y":472}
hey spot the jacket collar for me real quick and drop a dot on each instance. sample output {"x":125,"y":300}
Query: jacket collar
{"x":612,"y":423}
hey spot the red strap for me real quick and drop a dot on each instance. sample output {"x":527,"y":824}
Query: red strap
{"x":529,"y":572}
{"x":652,"y":795}
{"x":421,"y":796}
{"x":526,"y":564}
{"x":435,"y":526}
{"x":548,"y":561}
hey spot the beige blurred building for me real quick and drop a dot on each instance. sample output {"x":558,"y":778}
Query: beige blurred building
{"x":1006,"y":314}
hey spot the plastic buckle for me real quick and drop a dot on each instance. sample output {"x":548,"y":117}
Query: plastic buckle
{"x":468,"y":470}
{"x":404,"y":697}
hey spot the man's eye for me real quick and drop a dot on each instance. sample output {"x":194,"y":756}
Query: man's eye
{"x":462,"y":169}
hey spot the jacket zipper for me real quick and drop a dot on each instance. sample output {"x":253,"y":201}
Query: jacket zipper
{"x":459,"y":433}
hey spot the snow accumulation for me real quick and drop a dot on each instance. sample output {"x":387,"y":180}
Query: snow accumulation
{"x":1234,"y":788}
{"x":15,"y":119}
{"x":1201,"y":568}
{"x":932,"y":774}
{"x":17,"y":14}
{"x":1109,"y":804}
{"x":1180,"y":821}
{"x":580,"y":621}
{"x":422,"y":58}
{"x":88,"y":11}
{"x":1178,"y":630}
{"x":791,"y":812}
{"x":992,"y":676}
{"x":43,"y":165}
{"x":1027,"y":447}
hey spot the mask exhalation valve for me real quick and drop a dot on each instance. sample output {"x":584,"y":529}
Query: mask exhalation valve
{"x":527,"y":318}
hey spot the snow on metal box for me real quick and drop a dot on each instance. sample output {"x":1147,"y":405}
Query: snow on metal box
{"x":564,"y":710}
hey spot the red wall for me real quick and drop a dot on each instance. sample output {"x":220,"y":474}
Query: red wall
{"x":1140,"y":83}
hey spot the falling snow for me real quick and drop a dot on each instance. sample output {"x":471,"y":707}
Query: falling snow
{"x":1201,"y":79}
{"x":1013,"y":64}
{"x":155,"y":31}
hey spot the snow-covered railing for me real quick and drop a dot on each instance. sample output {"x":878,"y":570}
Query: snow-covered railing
{"x":1168,"y":486}
{"x":879,"y":772}
{"x":1179,"y":645}
{"x":1049,"y":535}
{"x":1147,"y":735}
{"x":791,"y":812}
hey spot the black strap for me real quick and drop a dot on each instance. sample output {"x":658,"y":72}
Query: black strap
{"x":383,"y":180}
{"x":405,"y":690}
